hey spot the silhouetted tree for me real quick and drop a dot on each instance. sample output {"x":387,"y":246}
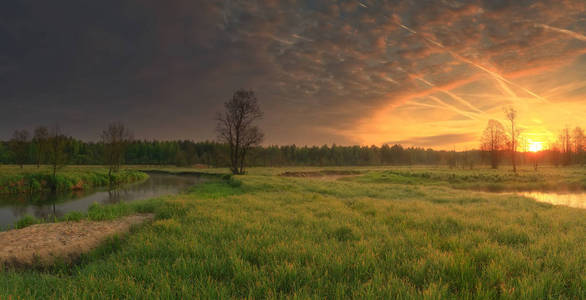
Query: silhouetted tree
{"x":57,"y":156}
{"x":493,"y":141}
{"x":236,"y":127}
{"x":40,"y":139}
{"x":511,"y":115}
{"x":20,"y":146}
{"x":565,"y":142}
{"x":115,"y":138}
{"x":579,"y":140}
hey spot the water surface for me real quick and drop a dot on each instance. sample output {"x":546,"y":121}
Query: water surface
{"x":14,"y":207}
{"x":577,"y":199}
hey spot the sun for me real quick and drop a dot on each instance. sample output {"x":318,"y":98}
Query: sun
{"x":535,"y":146}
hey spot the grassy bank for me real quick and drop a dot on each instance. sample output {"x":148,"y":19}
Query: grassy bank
{"x":98,"y":212}
{"x":545,"y":179}
{"x":14,"y":180}
{"x":266,"y":236}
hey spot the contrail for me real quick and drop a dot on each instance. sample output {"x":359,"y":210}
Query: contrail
{"x":506,"y":89}
{"x":454,"y":96}
{"x":389,"y":79}
{"x":455,"y":109}
{"x":442,"y":106}
{"x":281,"y":40}
{"x":225,"y":14}
{"x":561,"y":30}
{"x":301,"y":37}
{"x":461,"y":100}
{"x":427,"y":105}
{"x":410,"y":30}
{"x":478,"y":66}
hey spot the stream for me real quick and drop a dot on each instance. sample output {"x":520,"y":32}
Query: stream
{"x":14,"y":207}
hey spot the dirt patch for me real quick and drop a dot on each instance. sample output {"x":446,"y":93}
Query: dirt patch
{"x":44,"y":243}
{"x":322,"y":174}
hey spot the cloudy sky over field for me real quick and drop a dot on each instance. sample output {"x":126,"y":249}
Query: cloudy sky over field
{"x":423,"y":73}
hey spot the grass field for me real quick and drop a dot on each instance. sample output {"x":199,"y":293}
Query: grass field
{"x":14,"y":180}
{"x":386,"y":233}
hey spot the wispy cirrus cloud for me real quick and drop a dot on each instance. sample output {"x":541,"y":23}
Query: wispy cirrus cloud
{"x":325,"y":71}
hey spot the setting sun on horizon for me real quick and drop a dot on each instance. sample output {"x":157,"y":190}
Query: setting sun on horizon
{"x":278,"y":149}
{"x":535,"y":146}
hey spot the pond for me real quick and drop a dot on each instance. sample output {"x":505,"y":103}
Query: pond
{"x":14,"y":207}
{"x":577,"y":199}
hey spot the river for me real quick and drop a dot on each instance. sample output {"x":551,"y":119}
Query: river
{"x":14,"y":207}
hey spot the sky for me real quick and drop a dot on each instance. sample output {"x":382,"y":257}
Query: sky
{"x":420,"y":73}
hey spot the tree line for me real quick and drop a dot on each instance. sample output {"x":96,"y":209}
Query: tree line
{"x":216,"y":154}
{"x":239,"y":142}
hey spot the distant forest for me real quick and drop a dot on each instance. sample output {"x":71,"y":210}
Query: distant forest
{"x":214,"y":154}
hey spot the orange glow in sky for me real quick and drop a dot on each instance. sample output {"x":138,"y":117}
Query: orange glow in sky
{"x":535,"y":146}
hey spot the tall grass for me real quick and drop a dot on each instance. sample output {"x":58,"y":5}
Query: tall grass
{"x":264,"y":236}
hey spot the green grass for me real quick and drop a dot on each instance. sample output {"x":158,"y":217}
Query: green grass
{"x":377,"y":235}
{"x":100,"y":212}
{"x":31,"y":179}
{"x":546,"y":179}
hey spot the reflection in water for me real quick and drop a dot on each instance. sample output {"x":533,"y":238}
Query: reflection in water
{"x":574,"y":200}
{"x":14,"y":207}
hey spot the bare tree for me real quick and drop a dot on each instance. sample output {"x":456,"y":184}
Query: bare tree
{"x":236,"y":127}
{"x":493,"y":141}
{"x":579,"y":140}
{"x":511,"y":115}
{"x":115,"y":139}
{"x":40,"y":139}
{"x":524,"y":145}
{"x":57,"y":157}
{"x":19,"y":145}
{"x":565,"y":141}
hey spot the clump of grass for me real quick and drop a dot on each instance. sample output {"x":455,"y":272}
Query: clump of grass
{"x":235,"y":183}
{"x":167,"y":226}
{"x":73,"y":216}
{"x":171,"y":209}
{"x":343,"y":234}
{"x":26,"y":221}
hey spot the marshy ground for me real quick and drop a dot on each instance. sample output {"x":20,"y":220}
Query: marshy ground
{"x":383,"y":233}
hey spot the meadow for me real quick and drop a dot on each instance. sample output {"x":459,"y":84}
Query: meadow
{"x":392,"y":232}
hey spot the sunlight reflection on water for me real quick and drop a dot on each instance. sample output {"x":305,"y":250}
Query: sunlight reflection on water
{"x":573,"y":200}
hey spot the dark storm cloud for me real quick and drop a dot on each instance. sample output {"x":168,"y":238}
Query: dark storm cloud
{"x":319,"y":67}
